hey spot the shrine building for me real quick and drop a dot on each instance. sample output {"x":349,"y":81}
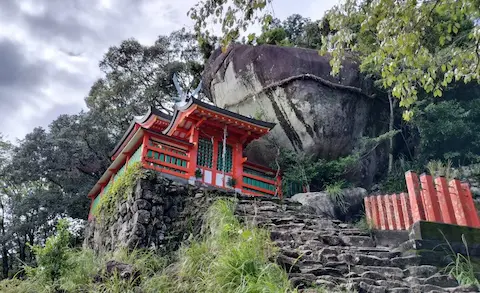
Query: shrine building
{"x":199,"y":142}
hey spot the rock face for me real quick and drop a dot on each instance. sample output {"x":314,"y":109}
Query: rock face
{"x":346,"y":204}
{"x":314,"y":111}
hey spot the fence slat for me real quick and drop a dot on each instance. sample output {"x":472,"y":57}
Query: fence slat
{"x":414,"y":196}
{"x":390,"y":213}
{"x":382,"y":212}
{"x":407,"y":212}
{"x":398,"y":212}
{"x":444,"y":200}
{"x":469,"y":207}
{"x":456,"y":191}
{"x":430,"y":200}
{"x":375,"y":212}
{"x":368,"y":209}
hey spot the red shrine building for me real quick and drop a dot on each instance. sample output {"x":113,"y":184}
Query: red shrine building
{"x":200,"y":142}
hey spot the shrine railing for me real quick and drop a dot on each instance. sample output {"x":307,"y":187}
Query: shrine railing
{"x":165,"y":158}
{"x":258,"y":181}
{"x":427,"y":199}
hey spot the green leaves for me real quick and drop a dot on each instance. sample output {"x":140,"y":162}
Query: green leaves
{"x":406,"y":55}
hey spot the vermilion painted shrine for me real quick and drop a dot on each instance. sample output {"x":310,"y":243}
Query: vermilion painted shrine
{"x":190,"y":145}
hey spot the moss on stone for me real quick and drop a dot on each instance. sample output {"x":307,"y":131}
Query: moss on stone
{"x":441,"y":232}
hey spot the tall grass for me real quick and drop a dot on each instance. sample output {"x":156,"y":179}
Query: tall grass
{"x":229,"y":257}
{"x":462,"y":268}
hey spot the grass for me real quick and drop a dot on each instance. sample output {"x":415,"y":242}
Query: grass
{"x":229,"y":257}
{"x":335,"y":193}
{"x":364,"y":224}
{"x":462,"y":268}
{"x":439,"y":168}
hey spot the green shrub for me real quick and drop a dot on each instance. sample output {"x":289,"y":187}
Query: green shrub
{"x":120,"y":189}
{"x":336,"y":195}
{"x":52,"y":258}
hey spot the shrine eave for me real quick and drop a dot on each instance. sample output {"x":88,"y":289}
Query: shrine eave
{"x":194,"y":104}
{"x":139,"y":121}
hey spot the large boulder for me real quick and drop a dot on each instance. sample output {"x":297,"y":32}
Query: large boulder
{"x":345,"y":205}
{"x":314,"y":111}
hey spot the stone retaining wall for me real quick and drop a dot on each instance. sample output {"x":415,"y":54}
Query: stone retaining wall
{"x":160,"y":213}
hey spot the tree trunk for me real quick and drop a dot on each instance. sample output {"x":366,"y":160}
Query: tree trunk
{"x":5,"y":266}
{"x":391,"y":101}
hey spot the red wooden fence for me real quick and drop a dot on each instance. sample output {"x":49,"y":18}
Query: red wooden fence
{"x":428,"y":200}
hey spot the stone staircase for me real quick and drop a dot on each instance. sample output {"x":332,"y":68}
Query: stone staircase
{"x":318,"y":252}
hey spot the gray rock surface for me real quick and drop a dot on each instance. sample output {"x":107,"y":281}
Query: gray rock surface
{"x":347,"y":204}
{"x":314,"y":111}
{"x":339,"y":257}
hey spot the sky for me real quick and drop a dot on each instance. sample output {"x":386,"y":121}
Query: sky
{"x":50,"y":49}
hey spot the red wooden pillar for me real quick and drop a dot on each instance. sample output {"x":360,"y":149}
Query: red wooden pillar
{"x":456,"y":195}
{"x":398,"y":212}
{"x":214,"y":161}
{"x":238,"y":165}
{"x":407,"y":212}
{"x":469,"y":207}
{"x":430,"y":199}
{"x":193,"y":152}
{"x":388,"y":199}
{"x":445,"y":203}
{"x":375,"y":212}
{"x":414,"y":196}
{"x":368,"y":209}
{"x":145,"y":141}
{"x":382,"y":211}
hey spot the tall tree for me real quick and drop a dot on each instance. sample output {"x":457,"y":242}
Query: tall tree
{"x":139,"y":76}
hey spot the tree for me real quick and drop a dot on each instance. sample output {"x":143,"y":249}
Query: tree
{"x":410,"y":47}
{"x":139,"y":76}
{"x":296,"y":31}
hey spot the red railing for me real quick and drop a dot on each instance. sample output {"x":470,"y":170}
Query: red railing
{"x":260,"y":180}
{"x":164,"y":158}
{"x":427,"y":199}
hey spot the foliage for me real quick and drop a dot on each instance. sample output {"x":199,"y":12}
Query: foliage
{"x":310,"y":172}
{"x":295,"y":31}
{"x":231,"y":182}
{"x":462,"y":267}
{"x":438,"y":168}
{"x":364,"y":224}
{"x":198,"y":173}
{"x":335,"y":194}
{"x":230,"y":258}
{"x":139,"y":76}
{"x":119,"y":190}
{"x":409,"y":46}
{"x":450,"y":129}
{"x":395,"y":181}
{"x":51,"y":258}
{"x":234,"y":17}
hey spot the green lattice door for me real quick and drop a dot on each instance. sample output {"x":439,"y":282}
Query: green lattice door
{"x":205,"y":153}
{"x":228,"y":158}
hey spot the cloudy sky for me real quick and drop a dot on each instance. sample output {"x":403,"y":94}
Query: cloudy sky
{"x":50,"y":49}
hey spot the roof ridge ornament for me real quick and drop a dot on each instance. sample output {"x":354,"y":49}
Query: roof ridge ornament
{"x":183,"y":98}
